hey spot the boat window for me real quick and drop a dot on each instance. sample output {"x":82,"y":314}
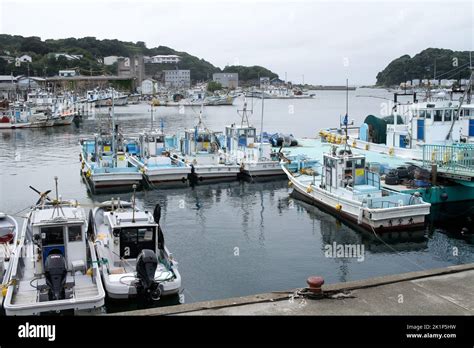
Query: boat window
{"x":428,"y":114}
{"x":447,"y":115}
{"x":52,"y":235}
{"x":128,"y":235}
{"x":349,"y":164}
{"x":145,"y":234}
{"x":438,"y":115}
{"x":360,"y":163}
{"x":422,"y":113}
{"x":74,"y":233}
{"x":251,"y":132}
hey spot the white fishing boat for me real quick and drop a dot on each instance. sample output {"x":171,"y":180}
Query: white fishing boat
{"x":55,"y":268}
{"x":154,"y":159}
{"x":103,"y":98}
{"x":8,"y":242}
{"x":343,"y":186}
{"x":200,"y":149}
{"x":13,"y":118}
{"x":134,"y":259}
{"x":412,"y":126}
{"x":105,"y":166}
{"x":256,"y":159}
{"x":104,"y":163}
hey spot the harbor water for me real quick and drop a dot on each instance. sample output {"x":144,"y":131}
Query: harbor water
{"x":238,"y":238}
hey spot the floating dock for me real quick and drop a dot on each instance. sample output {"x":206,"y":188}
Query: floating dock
{"x":443,"y":291}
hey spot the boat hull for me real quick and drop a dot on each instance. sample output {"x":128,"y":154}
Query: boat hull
{"x":263,"y":169}
{"x":214,"y":173}
{"x":378,"y":220}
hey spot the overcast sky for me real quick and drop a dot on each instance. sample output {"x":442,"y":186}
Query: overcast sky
{"x":326,"y":41}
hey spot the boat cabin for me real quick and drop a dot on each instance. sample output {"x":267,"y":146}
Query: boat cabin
{"x":152,"y":144}
{"x":59,"y":230}
{"x":345,"y":170}
{"x":199,"y":141}
{"x":431,"y":122}
{"x":240,"y":136}
{"x":130,"y":233}
{"x":243,"y":138}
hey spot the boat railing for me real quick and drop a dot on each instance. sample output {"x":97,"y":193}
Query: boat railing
{"x":373,"y":179}
{"x":451,"y":159}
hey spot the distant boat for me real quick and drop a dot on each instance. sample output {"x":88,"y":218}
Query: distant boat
{"x":103,"y":98}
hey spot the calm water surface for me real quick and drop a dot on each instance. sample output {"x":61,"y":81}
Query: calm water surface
{"x":238,"y":238}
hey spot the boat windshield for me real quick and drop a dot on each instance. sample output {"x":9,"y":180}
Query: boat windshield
{"x":134,"y":239}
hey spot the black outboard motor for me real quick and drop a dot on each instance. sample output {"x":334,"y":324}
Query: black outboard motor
{"x":55,"y":271}
{"x":147,"y":262}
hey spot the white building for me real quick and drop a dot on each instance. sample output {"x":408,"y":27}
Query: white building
{"x":67,"y":73}
{"x":163,"y":59}
{"x":415,"y":82}
{"x":227,"y":80}
{"x":25,"y":58}
{"x":149,"y":86}
{"x":110,"y":60}
{"x":434,"y":82}
{"x":177,"y":78}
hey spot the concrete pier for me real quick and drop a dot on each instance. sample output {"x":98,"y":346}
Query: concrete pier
{"x":443,"y":291}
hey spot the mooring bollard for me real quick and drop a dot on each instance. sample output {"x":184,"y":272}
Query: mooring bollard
{"x":315,"y":284}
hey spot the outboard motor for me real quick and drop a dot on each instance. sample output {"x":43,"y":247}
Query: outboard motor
{"x":55,"y":271}
{"x":147,"y":262}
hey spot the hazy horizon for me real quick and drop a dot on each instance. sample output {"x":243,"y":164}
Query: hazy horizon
{"x":326,"y":42}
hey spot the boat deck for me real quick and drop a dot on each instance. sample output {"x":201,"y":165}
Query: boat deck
{"x":84,"y":287}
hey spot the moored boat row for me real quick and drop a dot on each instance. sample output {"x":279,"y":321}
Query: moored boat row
{"x":63,"y":260}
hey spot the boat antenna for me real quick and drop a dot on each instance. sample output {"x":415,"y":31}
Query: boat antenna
{"x":113,"y":126}
{"x":261,"y":128}
{"x":133,"y":202}
{"x":244,"y":115}
{"x":151,"y":110}
{"x":346,"y":117}
{"x":56,"y":202}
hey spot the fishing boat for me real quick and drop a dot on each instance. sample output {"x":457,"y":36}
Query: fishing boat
{"x":105,"y":166}
{"x":8,"y":243}
{"x":134,"y":259}
{"x":436,"y":121}
{"x":218,"y":100}
{"x":134,"y":98}
{"x":104,"y":98}
{"x":256,"y":158}
{"x":155,"y":160}
{"x":200,"y":148}
{"x":104,"y":163}
{"x":13,"y":118}
{"x":55,"y":268}
{"x":343,"y":186}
